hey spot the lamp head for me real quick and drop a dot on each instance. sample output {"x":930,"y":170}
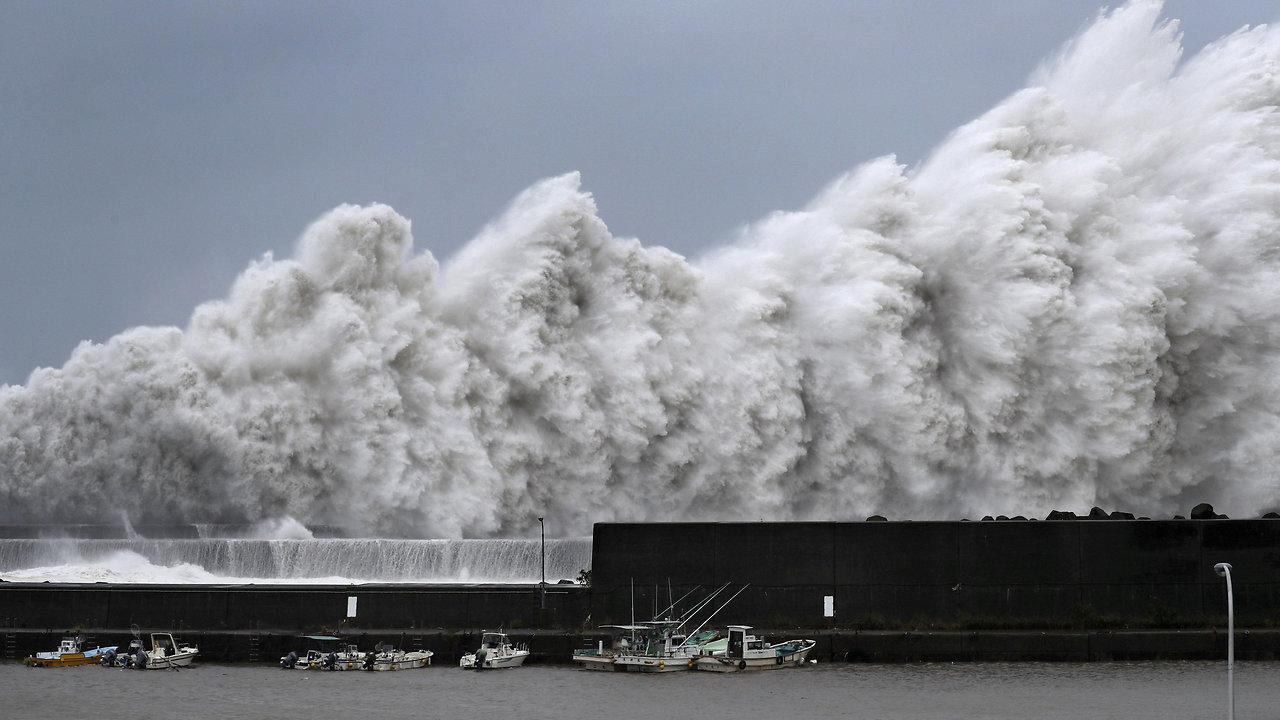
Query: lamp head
{"x":1222,"y":569}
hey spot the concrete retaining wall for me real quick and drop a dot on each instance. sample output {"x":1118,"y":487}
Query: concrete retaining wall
{"x":1017,"y":573}
{"x":288,"y":607}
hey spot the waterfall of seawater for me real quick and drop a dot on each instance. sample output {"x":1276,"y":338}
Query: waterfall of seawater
{"x":340,"y":561}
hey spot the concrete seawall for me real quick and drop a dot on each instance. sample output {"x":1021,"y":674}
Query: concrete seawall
{"x":947,"y":575}
{"x":296,"y":608}
{"x":897,"y":591}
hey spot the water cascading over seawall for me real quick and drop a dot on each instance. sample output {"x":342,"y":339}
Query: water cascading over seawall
{"x":332,"y":561}
{"x":1072,"y":303}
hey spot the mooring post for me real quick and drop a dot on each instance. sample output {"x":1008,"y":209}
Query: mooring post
{"x":542,"y":586}
{"x":1224,"y":570}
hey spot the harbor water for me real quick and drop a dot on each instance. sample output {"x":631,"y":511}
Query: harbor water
{"x":991,"y":691}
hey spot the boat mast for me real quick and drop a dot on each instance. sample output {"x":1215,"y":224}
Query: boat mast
{"x":717,"y":612}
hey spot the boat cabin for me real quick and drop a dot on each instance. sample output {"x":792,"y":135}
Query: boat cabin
{"x":162,"y":644}
{"x":741,"y":642}
{"x":69,"y":645}
{"x":493,"y":641}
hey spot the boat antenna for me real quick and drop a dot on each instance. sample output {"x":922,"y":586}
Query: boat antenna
{"x":726,"y":602}
{"x":672,"y":606}
{"x":698,"y":608}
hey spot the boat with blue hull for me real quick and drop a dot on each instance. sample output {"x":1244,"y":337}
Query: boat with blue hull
{"x":69,"y":654}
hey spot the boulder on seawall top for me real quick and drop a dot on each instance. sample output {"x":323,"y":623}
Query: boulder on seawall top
{"x":1096,"y":513}
{"x":1204,"y":511}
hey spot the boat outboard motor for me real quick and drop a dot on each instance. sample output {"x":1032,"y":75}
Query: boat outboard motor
{"x":288,"y":661}
{"x":140,"y":660}
{"x":330,"y":661}
{"x":369,"y":659}
{"x":109,"y":658}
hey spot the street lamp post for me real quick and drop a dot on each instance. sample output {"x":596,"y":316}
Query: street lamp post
{"x":1224,"y":570}
{"x":542,"y":586}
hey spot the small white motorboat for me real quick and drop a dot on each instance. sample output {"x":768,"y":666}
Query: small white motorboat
{"x":495,"y":651}
{"x":165,"y":654}
{"x":743,"y":651}
{"x":325,"y":652}
{"x":388,"y":658}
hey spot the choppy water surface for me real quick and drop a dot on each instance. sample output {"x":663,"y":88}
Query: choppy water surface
{"x":995,"y":691}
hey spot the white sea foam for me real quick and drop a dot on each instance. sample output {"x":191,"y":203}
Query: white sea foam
{"x":297,"y":561}
{"x":1074,"y":302}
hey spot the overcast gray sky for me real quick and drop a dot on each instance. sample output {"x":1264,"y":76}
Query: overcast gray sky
{"x":151,"y":150}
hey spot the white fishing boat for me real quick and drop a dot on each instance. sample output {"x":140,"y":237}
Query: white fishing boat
{"x":69,"y":653}
{"x":495,"y":651}
{"x":744,"y":651}
{"x":388,"y":658}
{"x":655,"y":646}
{"x":348,"y":657}
{"x":325,"y":652}
{"x":165,"y":654}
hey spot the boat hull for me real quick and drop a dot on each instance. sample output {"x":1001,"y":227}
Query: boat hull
{"x":407,"y":661}
{"x":68,"y":660}
{"x":339,"y":664}
{"x":645,"y":664}
{"x":180,"y":659}
{"x":634,"y":663}
{"x":594,"y":662}
{"x":468,"y":662}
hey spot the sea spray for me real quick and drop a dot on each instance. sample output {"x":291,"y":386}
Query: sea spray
{"x":1072,"y":303}
{"x":329,"y":561}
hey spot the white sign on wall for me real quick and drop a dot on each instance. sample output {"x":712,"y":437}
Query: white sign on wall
{"x":351,"y":606}
{"x":828,"y":606}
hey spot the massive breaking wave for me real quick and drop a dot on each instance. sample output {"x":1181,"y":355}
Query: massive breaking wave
{"x":1074,"y":302}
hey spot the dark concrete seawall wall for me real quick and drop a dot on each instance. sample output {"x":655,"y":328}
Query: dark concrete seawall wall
{"x":1050,"y":590}
{"x":289,"y":607}
{"x":1019,"y":573}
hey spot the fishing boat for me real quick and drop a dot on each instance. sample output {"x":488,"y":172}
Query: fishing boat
{"x":741,"y":650}
{"x":69,"y":653}
{"x":324,"y":652}
{"x":656,"y":646}
{"x":388,"y":658}
{"x":165,"y":654}
{"x":495,"y":651}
